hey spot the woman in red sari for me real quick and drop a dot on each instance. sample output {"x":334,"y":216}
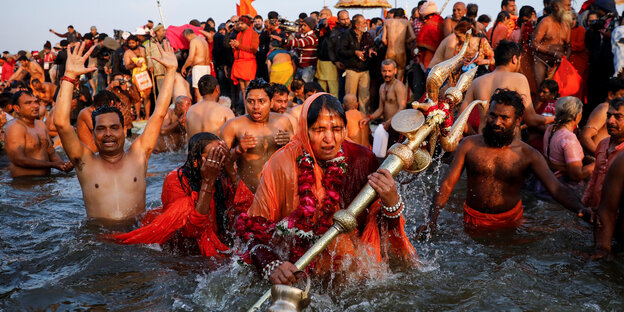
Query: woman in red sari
{"x":200,"y":200}
{"x":304,"y":184}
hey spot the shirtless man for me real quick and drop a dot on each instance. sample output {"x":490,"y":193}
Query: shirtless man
{"x":459,"y":11}
{"x":173,"y":132}
{"x":44,"y":91}
{"x":392,"y":95}
{"x":551,"y":39}
{"x":113,"y":180}
{"x":397,"y":34}
{"x":497,"y":164}
{"x":610,"y":212}
{"x":26,"y":66}
{"x":505,"y":76}
{"x":84,"y":125}
{"x":279,"y":103}
{"x":254,"y":137}
{"x":135,"y":50}
{"x":28,"y":144}
{"x":207,"y":115}
{"x":198,"y":59}
{"x":595,"y":130}
{"x":451,"y":45}
{"x":357,"y":131}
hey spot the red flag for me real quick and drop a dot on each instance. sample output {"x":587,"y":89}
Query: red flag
{"x":245,"y":8}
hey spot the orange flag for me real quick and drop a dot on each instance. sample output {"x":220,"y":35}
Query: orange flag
{"x":245,"y":8}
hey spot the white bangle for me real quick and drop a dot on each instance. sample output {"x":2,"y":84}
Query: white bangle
{"x":396,"y":215}
{"x":394,"y":208}
{"x":269,"y":268}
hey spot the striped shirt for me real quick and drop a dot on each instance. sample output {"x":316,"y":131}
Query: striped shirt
{"x":307,"y":46}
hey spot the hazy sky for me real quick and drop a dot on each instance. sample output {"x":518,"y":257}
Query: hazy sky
{"x":25,"y":24}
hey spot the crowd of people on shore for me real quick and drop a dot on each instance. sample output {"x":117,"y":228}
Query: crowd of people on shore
{"x":277,"y":118}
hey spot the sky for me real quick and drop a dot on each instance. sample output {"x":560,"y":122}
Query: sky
{"x":20,"y":33}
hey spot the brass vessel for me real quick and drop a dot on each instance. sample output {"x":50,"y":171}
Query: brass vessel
{"x":289,"y":299}
{"x":440,"y":72}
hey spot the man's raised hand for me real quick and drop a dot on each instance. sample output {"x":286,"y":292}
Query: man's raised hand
{"x":168,"y":58}
{"x":74,"y":67}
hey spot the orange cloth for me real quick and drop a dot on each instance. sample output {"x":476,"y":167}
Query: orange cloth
{"x":497,"y":33}
{"x":477,"y":219}
{"x":580,"y":58}
{"x":277,"y":195}
{"x":245,"y":66}
{"x":568,"y":78}
{"x":178,"y":213}
{"x":245,"y":8}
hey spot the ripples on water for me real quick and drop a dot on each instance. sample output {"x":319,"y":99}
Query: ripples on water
{"x":52,"y":259}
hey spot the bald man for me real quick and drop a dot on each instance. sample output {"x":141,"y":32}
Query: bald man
{"x":459,"y":11}
{"x":173,"y":131}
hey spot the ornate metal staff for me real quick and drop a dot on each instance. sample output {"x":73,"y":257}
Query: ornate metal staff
{"x":413,"y":125}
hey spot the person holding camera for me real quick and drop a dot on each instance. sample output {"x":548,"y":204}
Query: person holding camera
{"x":307,"y":47}
{"x":128,"y":95}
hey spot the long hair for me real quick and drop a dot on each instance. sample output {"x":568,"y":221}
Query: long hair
{"x":192,"y":171}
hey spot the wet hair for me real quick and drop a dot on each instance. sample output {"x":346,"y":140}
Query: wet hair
{"x":505,"y":51}
{"x":615,"y":84}
{"x":18,"y":95}
{"x":207,"y":84}
{"x":472,"y":10}
{"x":191,"y":170}
{"x":258,"y":83}
{"x":187,"y":31}
{"x":552,"y":86}
{"x":566,"y":110}
{"x":296,"y":84}
{"x":105,"y":110}
{"x":615,"y":103}
{"x":18,"y":84}
{"x":312,"y":86}
{"x":483,"y":18}
{"x":5,"y":100}
{"x":328,"y":102}
{"x":104,"y":98}
{"x":278,"y":88}
{"x":509,"y":98}
{"x":525,"y":11}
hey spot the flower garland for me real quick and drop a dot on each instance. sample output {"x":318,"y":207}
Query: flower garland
{"x":442,"y":108}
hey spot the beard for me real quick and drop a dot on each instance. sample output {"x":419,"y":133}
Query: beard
{"x":564,"y":16}
{"x":497,"y":139}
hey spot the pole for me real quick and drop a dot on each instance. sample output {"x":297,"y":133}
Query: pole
{"x":162,"y":19}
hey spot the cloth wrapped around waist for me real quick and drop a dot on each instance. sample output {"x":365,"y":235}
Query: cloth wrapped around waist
{"x":282,"y":73}
{"x":477,"y":219}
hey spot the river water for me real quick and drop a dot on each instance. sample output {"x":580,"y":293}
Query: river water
{"x":53,"y":259}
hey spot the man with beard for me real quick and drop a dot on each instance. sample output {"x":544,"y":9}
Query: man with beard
{"x":113,"y":180}
{"x":497,"y":164}
{"x":392,"y":99}
{"x":459,"y":11}
{"x":207,"y":115}
{"x":134,"y":60}
{"x":595,"y":129}
{"x":398,"y":34}
{"x":28,"y":144}
{"x":254,"y":137}
{"x":157,"y":70}
{"x":505,"y":76}
{"x":607,"y":150}
{"x":279,"y":103}
{"x":551,"y":39}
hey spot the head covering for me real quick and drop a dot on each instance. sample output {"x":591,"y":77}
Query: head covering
{"x":140,"y":31}
{"x":158,"y":27}
{"x":35,"y":53}
{"x":310,"y":21}
{"x":427,"y":8}
{"x":125,"y":35}
{"x":57,"y":46}
{"x":221,"y":26}
{"x":245,"y":19}
{"x":47,"y":45}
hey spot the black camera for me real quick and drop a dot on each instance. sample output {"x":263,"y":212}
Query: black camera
{"x":597,"y":24}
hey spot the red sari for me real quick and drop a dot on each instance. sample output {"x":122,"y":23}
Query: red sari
{"x":429,"y":37}
{"x":178,"y":214}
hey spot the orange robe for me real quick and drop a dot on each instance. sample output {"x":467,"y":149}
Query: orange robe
{"x":277,"y":196}
{"x":244,"y":67}
{"x":580,"y":58}
{"x":178,"y":214}
{"x":497,"y":33}
{"x":477,"y":219}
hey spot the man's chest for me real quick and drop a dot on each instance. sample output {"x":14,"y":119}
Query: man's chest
{"x":493,"y":163}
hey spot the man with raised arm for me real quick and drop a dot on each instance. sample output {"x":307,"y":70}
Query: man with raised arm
{"x":113,"y":180}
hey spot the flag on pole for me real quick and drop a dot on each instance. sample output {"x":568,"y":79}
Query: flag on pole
{"x":245,"y":8}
